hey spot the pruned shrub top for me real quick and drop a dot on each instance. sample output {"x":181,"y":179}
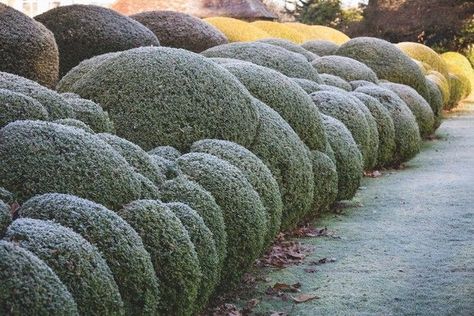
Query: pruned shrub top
{"x":180,"y":30}
{"x":28,"y":48}
{"x":56,"y":105}
{"x":29,"y":286}
{"x":40,"y":157}
{"x":386,"y":60}
{"x":119,"y":244}
{"x":139,"y":90}
{"x":435,"y":101}
{"x":280,"y":148}
{"x":90,"y":113}
{"x":236,"y":30}
{"x":279,"y":30}
{"x":194,"y":195}
{"x":407,"y":133}
{"x":167,"y":152}
{"x":77,"y":263}
{"x":335,"y":81}
{"x":308,"y":86}
{"x":325,"y":181}
{"x":5,"y":217}
{"x":347,"y":68}
{"x":385,"y":128}
{"x":244,"y":214}
{"x":284,"y":96}
{"x":75,"y":123}
{"x":292,"y":47}
{"x":320,"y":47}
{"x":84,"y":31}
{"x":172,"y":254}
{"x":5,"y":195}
{"x":205,"y":247}
{"x":419,"y":107}
{"x":424,"y":54}
{"x":349,"y":161}
{"x":271,"y":56}
{"x":139,"y":159}
{"x":17,"y":106}
{"x":348,"y":111}
{"x":256,"y":172}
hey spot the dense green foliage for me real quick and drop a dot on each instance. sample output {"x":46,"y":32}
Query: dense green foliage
{"x":292,"y":47}
{"x":347,"y":68}
{"x":17,"y":106}
{"x":320,"y":47}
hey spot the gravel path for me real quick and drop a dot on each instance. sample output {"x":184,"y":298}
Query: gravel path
{"x":406,"y":244}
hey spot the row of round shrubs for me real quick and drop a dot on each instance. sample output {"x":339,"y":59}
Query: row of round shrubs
{"x":243,"y":140}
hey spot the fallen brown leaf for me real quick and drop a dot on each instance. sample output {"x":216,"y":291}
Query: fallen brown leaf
{"x":302,"y":298}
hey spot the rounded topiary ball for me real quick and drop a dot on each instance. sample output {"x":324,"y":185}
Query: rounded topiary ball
{"x":360,"y":83}
{"x":84,"y":31}
{"x":56,"y":106}
{"x":292,"y":47}
{"x":172,"y":254}
{"x":325,"y":181}
{"x":320,"y":47}
{"x":76,"y":124}
{"x":5,"y":195}
{"x":205,"y":247}
{"x":119,"y":244}
{"x":284,"y":96}
{"x":167,"y":152}
{"x":271,"y":56}
{"x":436,"y":102}
{"x":29,"y":286}
{"x":386,"y":60}
{"x":348,"y":111}
{"x":5,"y":217}
{"x":139,"y":159}
{"x":180,"y":30}
{"x":90,"y":113}
{"x":40,"y":157}
{"x":256,"y":172}
{"x":346,"y":68}
{"x":77,"y":263}
{"x":167,"y":167}
{"x":287,"y":157}
{"x":17,"y":106}
{"x":138,"y":89}
{"x":28,"y":48}
{"x":244,"y":215}
{"x":419,"y":107}
{"x":349,"y":161}
{"x":335,"y":81}
{"x":385,"y":128}
{"x":407,"y":134}
{"x":192,"y":194}
{"x":308,"y":86}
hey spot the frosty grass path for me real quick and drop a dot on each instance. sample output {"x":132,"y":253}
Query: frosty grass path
{"x":407,"y":244}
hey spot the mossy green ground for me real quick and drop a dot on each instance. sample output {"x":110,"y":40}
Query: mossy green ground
{"x":406,"y":243}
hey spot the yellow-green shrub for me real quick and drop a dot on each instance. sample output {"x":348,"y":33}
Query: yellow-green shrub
{"x":460,"y":66}
{"x":319,"y":32}
{"x":278,"y":30}
{"x":237,"y":30}
{"x":424,"y":54}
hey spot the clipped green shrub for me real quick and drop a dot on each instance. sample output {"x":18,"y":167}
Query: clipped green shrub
{"x":419,"y":107}
{"x":5,"y":217}
{"x":385,"y":128}
{"x":349,"y":161}
{"x":287,"y":157}
{"x":244,"y":215}
{"x":284,"y":96}
{"x":307,"y":85}
{"x":17,"y":106}
{"x":28,"y":48}
{"x":346,"y":68}
{"x":167,"y":152}
{"x":75,"y":261}
{"x":271,"y":56}
{"x":456,"y":89}
{"x":436,"y":102}
{"x":192,"y":194}
{"x":386,"y":60}
{"x":320,"y":47}
{"x":172,"y":254}
{"x":205,"y":247}
{"x":180,"y":30}
{"x":84,"y":31}
{"x":139,"y":159}
{"x":360,"y":83}
{"x":118,"y":243}
{"x":348,"y":111}
{"x":237,"y":30}
{"x":335,"y":81}
{"x":138,"y":89}
{"x":82,"y":69}
{"x":149,"y":191}
{"x":90,"y":113}
{"x":325,"y":181}
{"x":167,"y":167}
{"x":5,"y":195}
{"x":40,"y":157}
{"x":29,"y":286}
{"x":56,"y":106}
{"x":292,"y":47}
{"x":257,"y":174}
{"x":76,"y":124}
{"x":407,"y":134}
